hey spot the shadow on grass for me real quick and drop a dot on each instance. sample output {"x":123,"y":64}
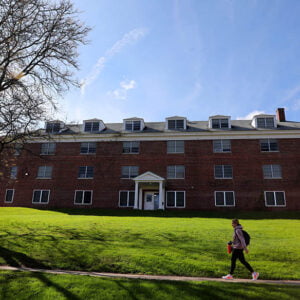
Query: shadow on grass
{"x":252,"y":215}
{"x":18,"y":259}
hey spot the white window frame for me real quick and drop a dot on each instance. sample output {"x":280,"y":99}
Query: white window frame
{"x":13,"y":172}
{"x":265,"y":125}
{"x":128,"y":193}
{"x":48,"y":150}
{"x":130,"y":125}
{"x":223,"y":172}
{"x":93,"y":124}
{"x":85,"y":172}
{"x":131,"y":147}
{"x":222,"y":147}
{"x":224,"y":199}
{"x":41,"y":192}
{"x":175,"y":171}
{"x":176,"y":124}
{"x":271,"y":166}
{"x":275,"y":199}
{"x":12,"y":197}
{"x":175,"y":148}
{"x":88,"y":148}
{"x":44,"y":171}
{"x":129,"y":172}
{"x":83,"y":192}
{"x":175,"y":206}
{"x":53,"y":127}
{"x":268,"y":142}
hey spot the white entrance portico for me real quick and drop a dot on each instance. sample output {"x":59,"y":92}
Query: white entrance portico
{"x":149,"y":192}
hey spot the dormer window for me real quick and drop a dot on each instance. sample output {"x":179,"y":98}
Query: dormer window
{"x":134,"y":124}
{"x":264,"y":121}
{"x":53,"y":127}
{"x":219,"y":122}
{"x":93,"y":125}
{"x":176,"y":123}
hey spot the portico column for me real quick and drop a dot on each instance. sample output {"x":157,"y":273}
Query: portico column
{"x":161,"y":196}
{"x":136,"y":195}
{"x":140,"y":199}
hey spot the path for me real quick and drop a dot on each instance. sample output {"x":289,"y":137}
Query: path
{"x":149,"y":277}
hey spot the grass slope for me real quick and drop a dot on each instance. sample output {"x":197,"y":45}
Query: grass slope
{"x":191,"y":244}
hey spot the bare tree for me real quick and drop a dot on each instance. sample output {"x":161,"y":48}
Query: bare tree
{"x":39,"y":43}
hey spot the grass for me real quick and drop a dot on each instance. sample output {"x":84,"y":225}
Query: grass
{"x":178,"y":243}
{"x":25,"y":285}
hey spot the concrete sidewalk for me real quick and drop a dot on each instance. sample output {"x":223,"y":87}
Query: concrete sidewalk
{"x":149,"y":277}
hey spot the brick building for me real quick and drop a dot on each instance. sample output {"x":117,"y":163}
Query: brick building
{"x":176,"y":164}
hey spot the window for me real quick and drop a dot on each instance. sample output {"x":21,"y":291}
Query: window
{"x":176,"y":124}
{"x":175,"y":172}
{"x":13,"y":172}
{"x":222,"y":146}
{"x":48,"y":148}
{"x":176,"y":199}
{"x":41,"y":196}
{"x":53,"y":127}
{"x":272,"y":171}
{"x":265,"y":122}
{"x":86,"y":172}
{"x":220,"y":123}
{"x":224,"y":199}
{"x":88,"y":148}
{"x":44,"y":172}
{"x":133,"y":125}
{"x":223,"y":171}
{"x":130,"y":171}
{"x":131,"y":147}
{"x":91,"y":126}
{"x":175,"y":146}
{"x":126,"y":199}
{"x":9,"y":196}
{"x":18,"y":149}
{"x":83,"y":197}
{"x":268,"y":145}
{"x":275,"y":199}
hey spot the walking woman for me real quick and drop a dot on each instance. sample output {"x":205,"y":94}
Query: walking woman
{"x":238,"y":246}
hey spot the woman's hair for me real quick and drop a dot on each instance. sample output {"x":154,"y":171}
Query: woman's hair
{"x":236,"y":221}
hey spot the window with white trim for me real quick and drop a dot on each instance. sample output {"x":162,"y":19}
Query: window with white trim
{"x":13,"y":172}
{"x":131,"y":147}
{"x":266,"y":122}
{"x":224,"y":198}
{"x":175,"y":199}
{"x":83,"y":197}
{"x":175,"y":172}
{"x":268,"y":145}
{"x":176,"y":124}
{"x":220,"y":123}
{"x":223,"y":171}
{"x":86,"y":172}
{"x":48,"y":148}
{"x":133,"y":125}
{"x":40,"y":196}
{"x":92,"y":126}
{"x":45,"y":172}
{"x":275,"y":198}
{"x":175,"y":146}
{"x":53,"y":127}
{"x":221,"y":146}
{"x":272,"y":171}
{"x":88,"y":148}
{"x":129,"y":172}
{"x":9,"y":195}
{"x":126,"y":198}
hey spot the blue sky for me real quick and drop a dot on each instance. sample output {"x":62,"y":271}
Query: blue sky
{"x":159,"y":58}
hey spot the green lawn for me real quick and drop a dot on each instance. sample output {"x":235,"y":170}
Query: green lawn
{"x":187,"y":243}
{"x":25,"y":285}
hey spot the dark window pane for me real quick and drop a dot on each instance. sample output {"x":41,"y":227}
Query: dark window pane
{"x":219,"y":198}
{"x":9,"y":196}
{"x":89,"y":172}
{"x":227,"y":171}
{"x":171,"y":124}
{"x":78,"y":197}
{"x":224,"y":123}
{"x":123,"y":198}
{"x":131,"y":199}
{"x":36,"y":196}
{"x":171,"y":199}
{"x":229,"y":198}
{"x":215,"y":123}
{"x":270,"y":199}
{"x":87,"y":197}
{"x":218,"y":171}
{"x":273,"y":145}
{"x":45,"y":195}
{"x":179,"y":199}
{"x":280,"y":198}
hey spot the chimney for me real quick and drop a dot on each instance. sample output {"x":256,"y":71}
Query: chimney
{"x":280,"y":114}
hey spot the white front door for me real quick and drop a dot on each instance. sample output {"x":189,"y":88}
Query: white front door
{"x":151,"y":201}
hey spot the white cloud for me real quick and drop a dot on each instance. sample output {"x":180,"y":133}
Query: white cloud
{"x":251,"y":115}
{"x":125,"y":86}
{"x":128,"y":38}
{"x":296,"y":105}
{"x":128,"y":85}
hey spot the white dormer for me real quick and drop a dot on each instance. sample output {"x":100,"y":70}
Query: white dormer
{"x":264,"y":121}
{"x":54,"y":126}
{"x":219,"y":122}
{"x":133,"y":124}
{"x":93,"y":125}
{"x":176,"y":123}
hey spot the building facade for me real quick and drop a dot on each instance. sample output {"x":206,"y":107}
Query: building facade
{"x":217,"y":164}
